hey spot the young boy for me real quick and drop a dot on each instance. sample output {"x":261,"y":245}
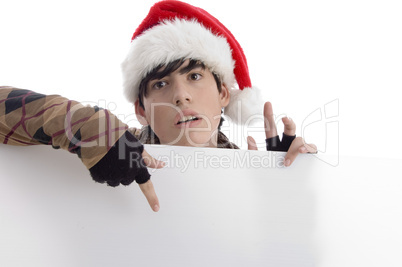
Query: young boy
{"x":180,"y":73}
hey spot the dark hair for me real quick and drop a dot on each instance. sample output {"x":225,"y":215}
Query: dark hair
{"x":161,"y":71}
{"x":147,"y":134}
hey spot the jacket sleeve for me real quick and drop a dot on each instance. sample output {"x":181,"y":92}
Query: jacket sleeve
{"x":110,"y":152}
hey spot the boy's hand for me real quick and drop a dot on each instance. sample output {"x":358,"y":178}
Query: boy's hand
{"x":148,"y":187}
{"x":298,"y":144}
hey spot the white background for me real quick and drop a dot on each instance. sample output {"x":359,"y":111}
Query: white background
{"x":302,"y":54}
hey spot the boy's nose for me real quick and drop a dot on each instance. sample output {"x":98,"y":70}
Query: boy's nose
{"x":181,"y":94}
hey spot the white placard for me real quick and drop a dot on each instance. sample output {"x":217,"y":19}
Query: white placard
{"x":219,"y":207}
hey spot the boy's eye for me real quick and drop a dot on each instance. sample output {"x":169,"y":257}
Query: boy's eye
{"x":158,"y":85}
{"x":195,"y":76}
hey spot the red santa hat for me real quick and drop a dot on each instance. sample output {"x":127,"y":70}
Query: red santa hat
{"x":173,"y":30}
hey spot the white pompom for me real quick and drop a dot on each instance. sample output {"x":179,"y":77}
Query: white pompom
{"x":245,"y":105}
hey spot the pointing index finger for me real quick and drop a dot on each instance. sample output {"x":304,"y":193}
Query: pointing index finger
{"x":149,"y":193}
{"x":269,"y":121}
{"x":151,"y":162}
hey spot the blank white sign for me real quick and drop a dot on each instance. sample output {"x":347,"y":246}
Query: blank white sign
{"x":218,"y":208}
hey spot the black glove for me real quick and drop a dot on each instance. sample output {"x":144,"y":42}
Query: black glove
{"x":274,"y":144}
{"x":122,"y":164}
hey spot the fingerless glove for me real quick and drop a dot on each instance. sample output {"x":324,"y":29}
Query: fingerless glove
{"x":122,"y":164}
{"x":274,"y":144}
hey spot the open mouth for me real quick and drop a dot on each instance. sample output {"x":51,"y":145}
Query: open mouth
{"x":185,"y":119}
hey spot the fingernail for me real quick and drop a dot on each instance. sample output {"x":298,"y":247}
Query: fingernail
{"x":287,"y":162}
{"x":303,"y":149}
{"x":156,"y":208}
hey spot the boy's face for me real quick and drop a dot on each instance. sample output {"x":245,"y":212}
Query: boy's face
{"x":184,"y":107}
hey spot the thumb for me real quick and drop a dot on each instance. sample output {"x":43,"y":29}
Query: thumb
{"x":151,"y":162}
{"x":251,"y":144}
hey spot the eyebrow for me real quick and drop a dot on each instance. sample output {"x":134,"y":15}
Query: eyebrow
{"x":171,"y":67}
{"x":191,"y":66}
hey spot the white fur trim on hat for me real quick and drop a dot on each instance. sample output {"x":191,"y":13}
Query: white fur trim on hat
{"x":172,"y":40}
